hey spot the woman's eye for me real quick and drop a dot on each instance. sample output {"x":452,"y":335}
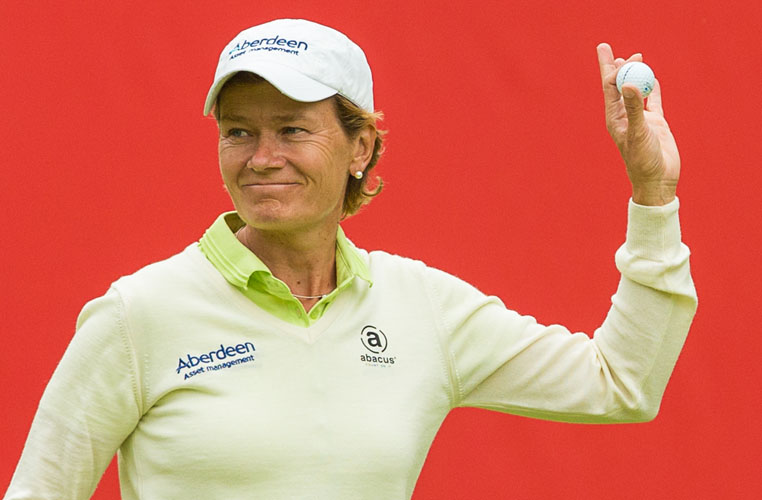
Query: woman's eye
{"x":237,"y":132}
{"x":292,"y":130}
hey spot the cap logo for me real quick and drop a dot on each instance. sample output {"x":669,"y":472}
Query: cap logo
{"x":269,"y":44}
{"x":304,"y":60}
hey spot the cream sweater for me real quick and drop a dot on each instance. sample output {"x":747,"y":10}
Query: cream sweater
{"x":205,"y":395}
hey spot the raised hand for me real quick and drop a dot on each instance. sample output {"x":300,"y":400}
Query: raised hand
{"x":641,"y":133}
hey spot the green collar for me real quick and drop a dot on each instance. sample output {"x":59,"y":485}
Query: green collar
{"x":244,"y":270}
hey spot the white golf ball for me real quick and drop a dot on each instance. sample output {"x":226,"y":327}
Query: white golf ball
{"x":637,"y":73}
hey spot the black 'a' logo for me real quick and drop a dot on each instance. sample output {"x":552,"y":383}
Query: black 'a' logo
{"x":373,"y":339}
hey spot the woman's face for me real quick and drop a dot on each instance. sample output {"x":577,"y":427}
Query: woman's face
{"x":285,"y":163}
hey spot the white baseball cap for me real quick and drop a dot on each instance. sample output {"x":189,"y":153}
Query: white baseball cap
{"x":306,"y":61}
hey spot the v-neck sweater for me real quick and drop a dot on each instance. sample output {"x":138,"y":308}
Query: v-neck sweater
{"x":206,"y":395}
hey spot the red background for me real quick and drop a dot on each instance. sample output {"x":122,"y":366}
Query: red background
{"x":499,"y":169}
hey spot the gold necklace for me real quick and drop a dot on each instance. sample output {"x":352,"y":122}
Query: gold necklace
{"x":309,"y":297}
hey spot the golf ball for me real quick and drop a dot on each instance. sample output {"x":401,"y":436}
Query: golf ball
{"x":637,"y":73}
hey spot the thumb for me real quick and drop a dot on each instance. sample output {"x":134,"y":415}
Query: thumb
{"x":633,"y":105}
{"x":637,"y":129}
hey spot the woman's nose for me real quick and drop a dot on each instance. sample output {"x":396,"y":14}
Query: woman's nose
{"x":266,"y":155}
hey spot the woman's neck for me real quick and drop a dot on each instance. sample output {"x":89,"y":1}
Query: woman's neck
{"x":306,"y":263}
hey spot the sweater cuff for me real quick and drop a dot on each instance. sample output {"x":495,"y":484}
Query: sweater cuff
{"x":653,"y":232}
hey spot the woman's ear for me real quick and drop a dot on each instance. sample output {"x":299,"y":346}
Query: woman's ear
{"x":364,"y":143}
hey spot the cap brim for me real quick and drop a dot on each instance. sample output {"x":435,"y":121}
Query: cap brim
{"x":287,"y":80}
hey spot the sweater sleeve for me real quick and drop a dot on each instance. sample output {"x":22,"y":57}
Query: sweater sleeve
{"x":503,"y":361}
{"x":89,"y":407}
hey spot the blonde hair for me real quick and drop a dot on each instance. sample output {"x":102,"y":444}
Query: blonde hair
{"x":353,"y":120}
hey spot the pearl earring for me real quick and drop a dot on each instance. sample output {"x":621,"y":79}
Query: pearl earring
{"x":358,"y":175}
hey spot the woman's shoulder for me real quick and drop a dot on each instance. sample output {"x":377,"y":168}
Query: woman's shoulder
{"x":181,"y":270}
{"x":384,"y":265}
{"x":381,"y":257}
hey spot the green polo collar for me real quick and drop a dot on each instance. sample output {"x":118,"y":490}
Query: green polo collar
{"x":244,"y":270}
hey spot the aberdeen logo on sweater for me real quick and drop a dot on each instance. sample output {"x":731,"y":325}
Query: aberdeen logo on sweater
{"x":227,"y":356}
{"x":375,"y":341}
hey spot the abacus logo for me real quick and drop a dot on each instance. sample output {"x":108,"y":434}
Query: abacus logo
{"x":374,"y":339}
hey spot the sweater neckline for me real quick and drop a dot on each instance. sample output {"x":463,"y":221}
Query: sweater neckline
{"x":307,"y":334}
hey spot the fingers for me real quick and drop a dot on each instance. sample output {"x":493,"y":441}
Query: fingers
{"x":608,"y":67}
{"x":605,"y":59}
{"x":608,"y":64}
{"x":619,"y":62}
